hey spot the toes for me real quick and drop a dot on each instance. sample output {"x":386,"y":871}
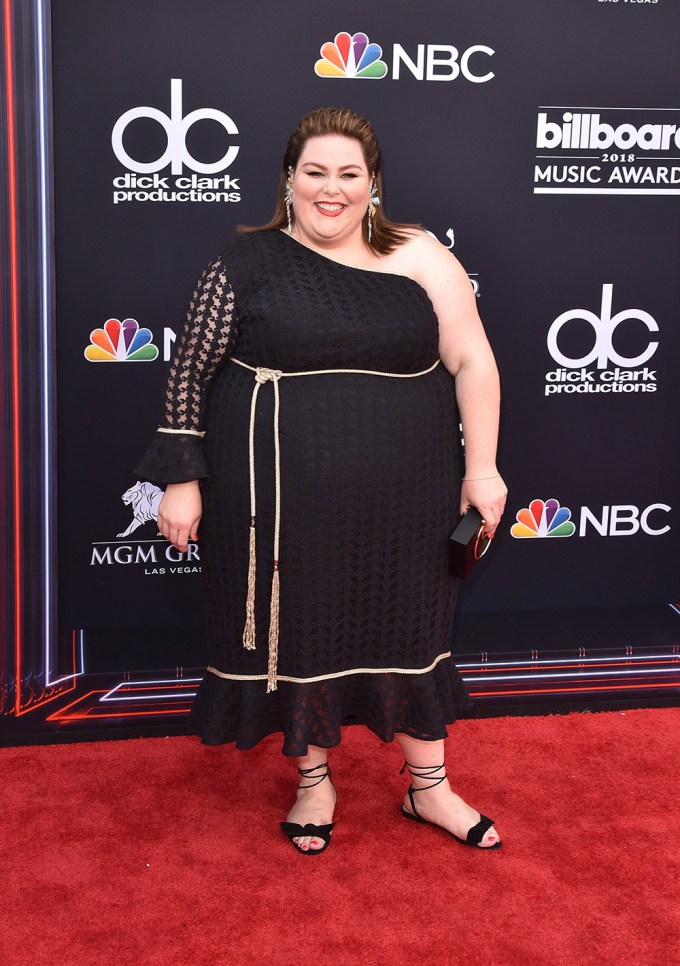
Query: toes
{"x":491,"y":837}
{"x":308,"y":843}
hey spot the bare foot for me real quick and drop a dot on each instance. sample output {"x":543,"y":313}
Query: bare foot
{"x":313,"y":806}
{"x":440,"y":805}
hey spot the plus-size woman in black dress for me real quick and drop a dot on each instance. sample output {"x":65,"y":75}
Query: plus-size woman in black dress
{"x":311,"y":428}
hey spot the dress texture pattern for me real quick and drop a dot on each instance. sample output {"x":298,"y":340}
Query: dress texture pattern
{"x":356,"y":473}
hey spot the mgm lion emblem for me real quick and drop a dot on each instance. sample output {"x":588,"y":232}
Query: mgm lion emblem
{"x":144,"y":499}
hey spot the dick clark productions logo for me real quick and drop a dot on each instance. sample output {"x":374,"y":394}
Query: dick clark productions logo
{"x":613,"y":372}
{"x":143,"y":181}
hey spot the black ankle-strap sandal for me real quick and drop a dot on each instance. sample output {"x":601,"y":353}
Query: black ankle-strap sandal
{"x":429,"y":773}
{"x":292,"y":831}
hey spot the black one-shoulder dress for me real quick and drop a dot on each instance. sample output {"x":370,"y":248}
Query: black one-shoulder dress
{"x":365,"y":468}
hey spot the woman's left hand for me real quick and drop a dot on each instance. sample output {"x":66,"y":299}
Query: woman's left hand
{"x":489,"y":497}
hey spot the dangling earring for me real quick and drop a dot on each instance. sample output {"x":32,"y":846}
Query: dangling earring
{"x":288,"y":198}
{"x":373,"y":203}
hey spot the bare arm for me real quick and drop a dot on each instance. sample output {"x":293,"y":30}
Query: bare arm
{"x":466,"y":353}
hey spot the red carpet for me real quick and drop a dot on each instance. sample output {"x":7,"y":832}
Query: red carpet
{"x":162,"y":851}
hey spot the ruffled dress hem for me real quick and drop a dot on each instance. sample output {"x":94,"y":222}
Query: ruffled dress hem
{"x":241,"y":712}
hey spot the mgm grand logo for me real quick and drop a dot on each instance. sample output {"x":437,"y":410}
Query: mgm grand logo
{"x":156,"y":555}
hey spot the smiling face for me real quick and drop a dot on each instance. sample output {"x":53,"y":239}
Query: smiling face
{"x":331,"y":188}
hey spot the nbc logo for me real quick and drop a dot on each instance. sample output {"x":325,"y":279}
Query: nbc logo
{"x":543,"y":519}
{"x":546,"y":518}
{"x":350,"y":56}
{"x":121,"y":342}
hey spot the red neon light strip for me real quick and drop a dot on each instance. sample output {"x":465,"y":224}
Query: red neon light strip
{"x":112,"y":713}
{"x":14,"y":312}
{"x":604,"y":687}
{"x":64,"y":717}
{"x":12,"y":183}
{"x":83,"y":716}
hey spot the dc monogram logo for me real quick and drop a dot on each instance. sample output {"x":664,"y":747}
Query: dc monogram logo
{"x":175,"y":127}
{"x":604,"y":325}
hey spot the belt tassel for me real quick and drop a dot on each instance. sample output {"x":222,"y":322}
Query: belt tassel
{"x":273,"y":631}
{"x":249,"y":629}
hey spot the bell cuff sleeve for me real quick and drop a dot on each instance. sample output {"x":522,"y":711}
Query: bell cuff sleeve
{"x":174,"y":458}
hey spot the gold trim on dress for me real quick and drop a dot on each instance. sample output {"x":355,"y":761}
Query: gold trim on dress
{"x":182,"y":432}
{"x":329,"y":677}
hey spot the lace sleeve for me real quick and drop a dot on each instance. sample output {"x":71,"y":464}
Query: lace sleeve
{"x":208,"y":337}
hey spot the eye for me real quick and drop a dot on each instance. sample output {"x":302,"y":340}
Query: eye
{"x":350,"y":175}
{"x":315,"y":174}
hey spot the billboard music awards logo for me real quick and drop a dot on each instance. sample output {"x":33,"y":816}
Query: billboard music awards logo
{"x":354,"y":56}
{"x":546,"y":518}
{"x":607,"y":151}
{"x":156,"y":556}
{"x":143,"y":181}
{"x":602,"y":368}
{"x":121,"y":342}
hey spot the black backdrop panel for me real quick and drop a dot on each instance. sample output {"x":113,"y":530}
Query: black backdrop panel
{"x":462,"y":150}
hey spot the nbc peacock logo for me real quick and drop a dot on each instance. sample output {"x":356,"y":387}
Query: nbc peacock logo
{"x":121,"y":342}
{"x":351,"y":55}
{"x":543,"y":518}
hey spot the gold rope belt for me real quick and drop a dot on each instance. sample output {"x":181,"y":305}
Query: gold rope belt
{"x":262,"y":375}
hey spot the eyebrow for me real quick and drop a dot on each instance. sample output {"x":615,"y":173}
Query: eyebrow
{"x":343,"y":167}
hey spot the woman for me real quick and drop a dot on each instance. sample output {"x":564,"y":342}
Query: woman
{"x":339,"y":351}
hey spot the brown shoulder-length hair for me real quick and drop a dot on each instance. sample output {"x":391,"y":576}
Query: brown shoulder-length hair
{"x":386,"y":235}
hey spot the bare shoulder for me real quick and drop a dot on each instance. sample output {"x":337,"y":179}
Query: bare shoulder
{"x":428,"y":262}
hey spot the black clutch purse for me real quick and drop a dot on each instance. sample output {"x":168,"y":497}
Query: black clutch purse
{"x":467,"y":543}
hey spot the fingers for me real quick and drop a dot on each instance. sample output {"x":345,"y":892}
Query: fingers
{"x":489,"y":497}
{"x":492,"y":514}
{"x":177,"y":533}
{"x":179,"y":514}
{"x":180,"y":539}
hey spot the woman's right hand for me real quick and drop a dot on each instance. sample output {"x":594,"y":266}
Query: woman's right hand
{"x":179,"y":513}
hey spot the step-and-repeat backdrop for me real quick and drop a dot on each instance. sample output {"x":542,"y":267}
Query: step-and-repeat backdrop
{"x":539,"y":142}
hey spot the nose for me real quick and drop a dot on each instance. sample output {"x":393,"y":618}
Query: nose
{"x":332,"y":187}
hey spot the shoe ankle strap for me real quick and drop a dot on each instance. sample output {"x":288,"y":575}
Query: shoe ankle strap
{"x":306,"y":774}
{"x":427,"y":773}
